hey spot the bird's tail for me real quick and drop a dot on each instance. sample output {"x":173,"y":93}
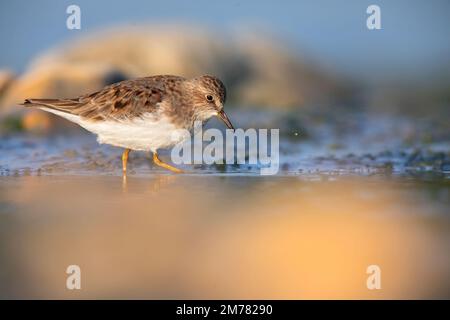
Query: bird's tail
{"x":65,"y":105}
{"x":49,"y":103}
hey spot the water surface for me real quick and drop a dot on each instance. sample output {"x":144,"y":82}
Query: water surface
{"x":350,"y":193}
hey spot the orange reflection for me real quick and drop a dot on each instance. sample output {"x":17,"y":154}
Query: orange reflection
{"x":209,"y":237}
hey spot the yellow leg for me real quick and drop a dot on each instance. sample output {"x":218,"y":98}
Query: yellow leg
{"x":125,"y":160}
{"x":158,"y":162}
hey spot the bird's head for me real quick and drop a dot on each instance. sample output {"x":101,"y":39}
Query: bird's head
{"x":209,"y":95}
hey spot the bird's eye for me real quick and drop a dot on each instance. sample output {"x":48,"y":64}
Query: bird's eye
{"x":209,"y":97}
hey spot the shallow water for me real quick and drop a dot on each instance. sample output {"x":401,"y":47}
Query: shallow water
{"x":350,"y":193}
{"x":223,"y":237}
{"x":347,"y":143}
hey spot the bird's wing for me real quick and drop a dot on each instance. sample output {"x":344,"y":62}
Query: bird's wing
{"x":126,"y":99}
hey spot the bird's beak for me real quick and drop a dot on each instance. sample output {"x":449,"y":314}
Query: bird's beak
{"x":222,"y":115}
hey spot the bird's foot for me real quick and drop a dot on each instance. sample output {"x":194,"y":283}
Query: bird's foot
{"x":164,"y":165}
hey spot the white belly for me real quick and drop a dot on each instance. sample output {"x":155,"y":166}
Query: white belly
{"x":144,"y":134}
{"x":139,"y":135}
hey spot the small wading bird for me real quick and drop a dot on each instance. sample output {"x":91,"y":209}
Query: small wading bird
{"x":143,"y":113}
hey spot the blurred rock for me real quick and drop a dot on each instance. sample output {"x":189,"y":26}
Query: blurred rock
{"x":257,"y":70}
{"x":6,"y":78}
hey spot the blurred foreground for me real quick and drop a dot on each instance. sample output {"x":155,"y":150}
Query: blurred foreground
{"x":215,"y":237}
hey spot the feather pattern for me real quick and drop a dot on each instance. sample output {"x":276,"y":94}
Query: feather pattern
{"x":126,"y":99}
{"x":143,"y":113}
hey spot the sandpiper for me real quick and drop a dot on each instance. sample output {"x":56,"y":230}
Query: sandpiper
{"x":142,"y":114}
